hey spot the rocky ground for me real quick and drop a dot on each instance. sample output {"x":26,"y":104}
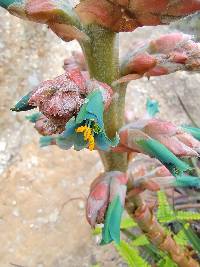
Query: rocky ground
{"x":43,"y":191}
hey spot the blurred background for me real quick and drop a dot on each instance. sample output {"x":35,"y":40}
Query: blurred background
{"x":43,"y":191}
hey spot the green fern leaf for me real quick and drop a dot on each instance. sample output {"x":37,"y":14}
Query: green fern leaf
{"x":187,"y":216}
{"x":131,"y":255}
{"x":166,"y":262}
{"x":140,"y":241}
{"x":192,"y":237}
{"x":127,"y":223}
{"x":181,"y":238}
{"x":164,"y":212}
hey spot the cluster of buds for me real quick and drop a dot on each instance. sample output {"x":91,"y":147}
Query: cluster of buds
{"x":165,"y":55}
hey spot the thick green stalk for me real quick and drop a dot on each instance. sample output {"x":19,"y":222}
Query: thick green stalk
{"x":102,"y":55}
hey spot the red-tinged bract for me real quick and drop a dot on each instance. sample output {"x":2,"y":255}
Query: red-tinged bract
{"x":61,"y":98}
{"x":174,"y":138}
{"x":102,"y":192}
{"x":167,"y":54}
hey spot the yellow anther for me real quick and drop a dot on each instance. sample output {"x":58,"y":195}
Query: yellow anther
{"x":91,"y":142}
{"x":87,"y":133}
{"x":88,"y":136}
{"x":81,"y":129}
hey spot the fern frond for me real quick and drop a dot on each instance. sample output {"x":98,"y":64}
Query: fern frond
{"x":181,"y":238}
{"x":127,"y":223}
{"x":164,"y":212}
{"x":140,"y":241}
{"x":131,"y":255}
{"x":192,"y":237}
{"x":187,"y":216}
{"x":166,"y":262}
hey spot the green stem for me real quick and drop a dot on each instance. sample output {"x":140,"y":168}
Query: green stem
{"x":102,"y":57}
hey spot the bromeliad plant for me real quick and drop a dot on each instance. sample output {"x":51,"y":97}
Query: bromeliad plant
{"x":84,"y":107}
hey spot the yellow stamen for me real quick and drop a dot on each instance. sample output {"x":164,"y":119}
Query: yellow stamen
{"x":88,"y":136}
{"x":81,"y":129}
{"x":91,"y":142}
{"x":87,"y":133}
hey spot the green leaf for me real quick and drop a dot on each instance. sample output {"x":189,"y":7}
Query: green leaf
{"x":181,"y":238}
{"x":111,"y":229}
{"x":187,"y":216}
{"x":164,"y":213}
{"x":127,"y":223}
{"x":23,"y":104}
{"x":131,"y":255}
{"x":140,"y":241}
{"x":152,"y":107}
{"x":192,"y":237}
{"x":164,"y":155}
{"x":166,"y":262}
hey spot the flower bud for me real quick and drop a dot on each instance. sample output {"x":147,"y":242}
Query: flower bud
{"x":105,"y":203}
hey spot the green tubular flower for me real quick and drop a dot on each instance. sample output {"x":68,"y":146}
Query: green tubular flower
{"x":87,"y":129}
{"x":6,"y":3}
{"x":194,"y":131}
{"x":164,"y":155}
